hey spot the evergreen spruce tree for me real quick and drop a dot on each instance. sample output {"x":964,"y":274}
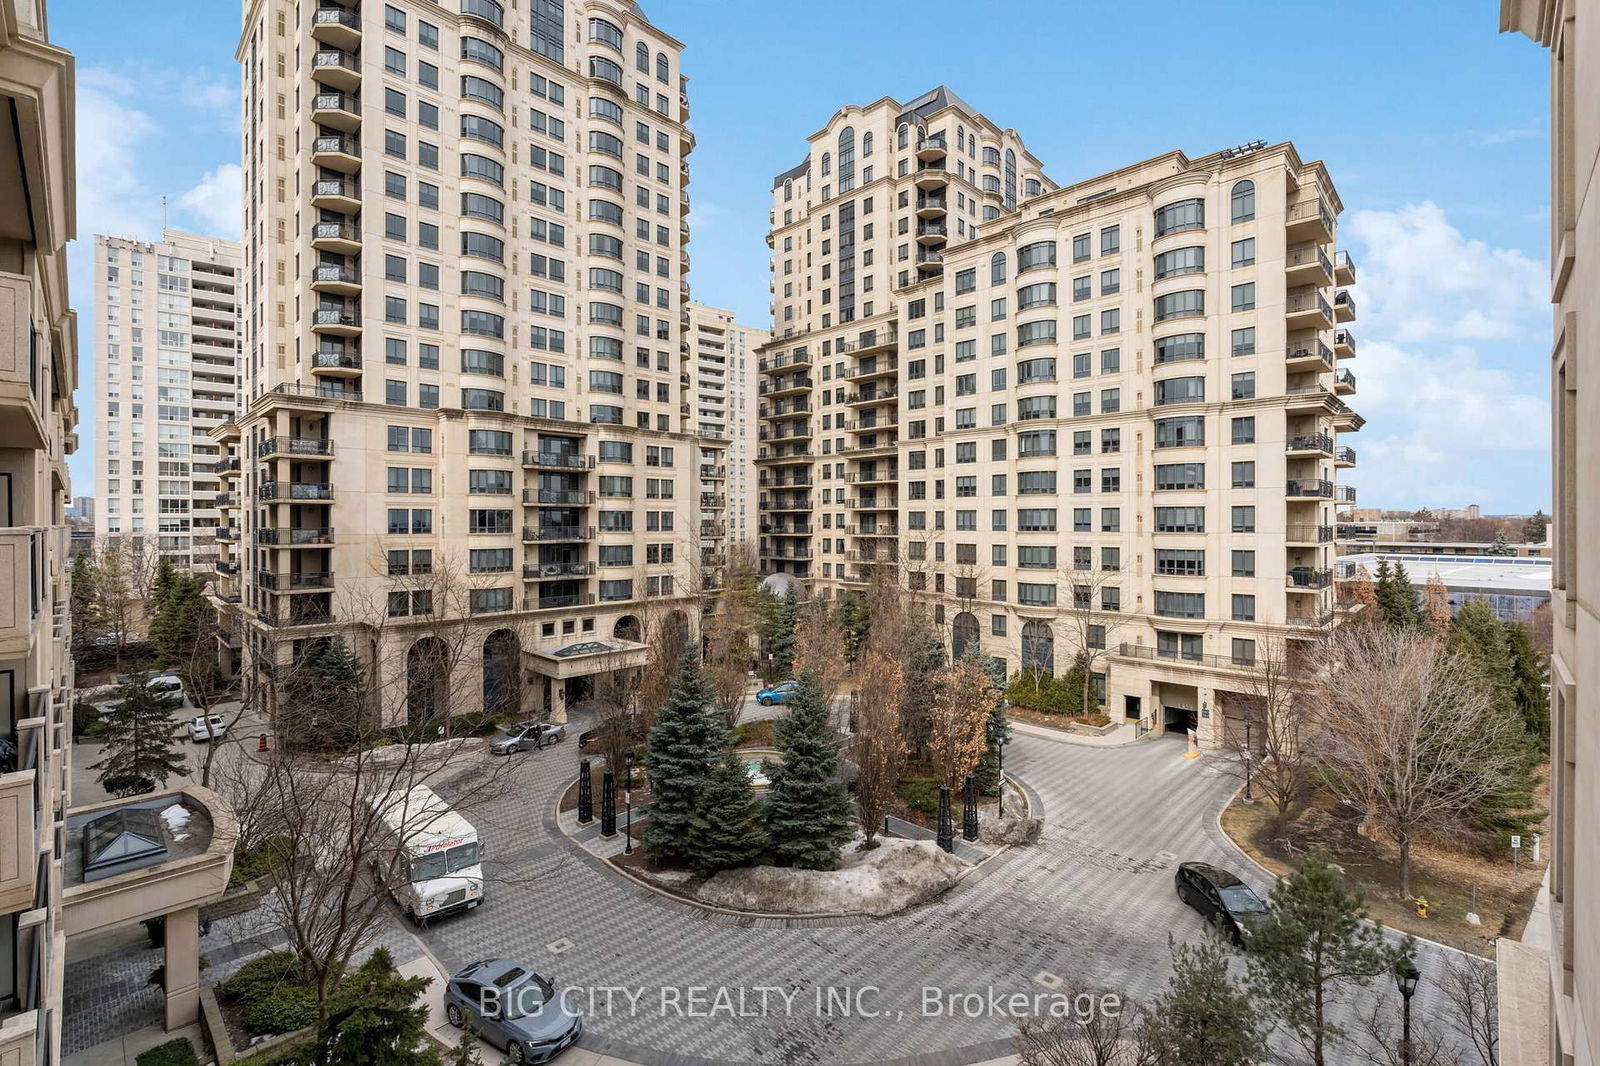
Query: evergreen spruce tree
{"x":323,"y":695}
{"x":139,"y":731}
{"x":83,"y":595}
{"x":1205,"y":1017}
{"x":780,"y":643}
{"x":1478,"y":634}
{"x":808,"y":809}
{"x":180,"y":620}
{"x":1500,"y":545}
{"x":1529,"y":673}
{"x":682,"y":749}
{"x":728,"y":828}
{"x":373,"y":1018}
{"x":1315,"y":938}
{"x":1398,"y":600}
{"x":998,"y":729}
{"x":922,"y":658}
{"x":161,"y":585}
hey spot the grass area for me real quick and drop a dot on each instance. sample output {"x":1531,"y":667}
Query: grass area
{"x":757,"y":734}
{"x":1446,"y":878}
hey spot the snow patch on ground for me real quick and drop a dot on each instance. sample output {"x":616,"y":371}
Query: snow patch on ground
{"x":177,"y":819}
{"x":891,"y":877}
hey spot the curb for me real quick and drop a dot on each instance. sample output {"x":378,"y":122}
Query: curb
{"x":1062,"y":736}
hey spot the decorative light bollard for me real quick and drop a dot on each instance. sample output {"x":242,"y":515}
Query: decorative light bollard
{"x":608,"y":804}
{"x":585,"y":794}
{"x":969,"y":808}
{"x":947,"y":829}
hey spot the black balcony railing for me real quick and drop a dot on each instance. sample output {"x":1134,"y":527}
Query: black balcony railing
{"x":336,"y":143}
{"x":555,"y":571}
{"x":294,"y":446}
{"x":336,"y":16}
{"x":1305,"y":577}
{"x":332,"y":360}
{"x":334,"y":59}
{"x":548,"y":603}
{"x":1312,"y":488}
{"x":293,"y":536}
{"x":332,"y":273}
{"x":558,"y":497}
{"x":558,"y":460}
{"x":294,"y":490}
{"x":1303,"y":534}
{"x":548,"y":534}
{"x":335,"y":102}
{"x":1316,"y":442}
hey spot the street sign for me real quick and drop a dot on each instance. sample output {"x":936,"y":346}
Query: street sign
{"x":1516,"y":842}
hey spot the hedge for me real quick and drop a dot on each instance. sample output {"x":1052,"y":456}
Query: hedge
{"x":177,"y":1052}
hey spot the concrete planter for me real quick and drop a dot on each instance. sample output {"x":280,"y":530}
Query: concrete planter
{"x":216,"y":1030}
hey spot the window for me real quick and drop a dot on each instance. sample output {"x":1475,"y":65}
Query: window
{"x":489,"y":482}
{"x":1244,"y":475}
{"x":1111,"y":240}
{"x":1180,"y":604}
{"x":489,"y":560}
{"x":1244,"y":610}
{"x":1036,"y":520}
{"x":488,"y":442}
{"x":483,"y":91}
{"x":1180,"y":520}
{"x":1244,"y":386}
{"x":1244,"y":563}
{"x":1110,"y":282}
{"x":1173,"y":476}
{"x":1180,"y":432}
{"x":1244,"y":252}
{"x":1243,"y":201}
{"x":1042,"y":294}
{"x":1184,"y":562}
{"x":1180,"y":390}
{"x":1180,"y":216}
{"x":1031,"y":594}
{"x":1033,"y":256}
{"x":1178,"y":261}
{"x":997,"y":268}
{"x":1244,"y":430}
{"x":1031,"y":370}
{"x":1186,"y":304}
{"x":1036,"y":407}
{"x":1081,"y":252}
{"x":1111,"y":321}
{"x":1244,"y":296}
{"x":1030,"y":333}
{"x":1110,"y":360}
{"x":1244,"y":519}
{"x":1036,"y":557}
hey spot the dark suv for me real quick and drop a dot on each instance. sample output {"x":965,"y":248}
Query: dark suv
{"x":1221,"y":898}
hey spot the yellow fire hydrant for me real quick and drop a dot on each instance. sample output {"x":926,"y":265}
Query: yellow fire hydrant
{"x":1422,"y":907}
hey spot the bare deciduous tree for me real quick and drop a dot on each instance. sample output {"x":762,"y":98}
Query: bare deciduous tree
{"x":1410,"y":734}
{"x":1272,"y":744}
{"x":731,"y":636}
{"x":877,"y":746}
{"x":962,"y":700}
{"x":1090,"y":626}
{"x":123,"y":567}
{"x":1092,"y":1037}
{"x":819,"y":642}
{"x":1473,"y":997}
{"x":1436,"y":603}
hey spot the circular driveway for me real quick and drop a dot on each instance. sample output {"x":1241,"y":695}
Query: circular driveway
{"x":667,"y":982}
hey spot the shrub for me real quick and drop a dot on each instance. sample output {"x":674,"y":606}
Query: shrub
{"x":177,"y":1052}
{"x":262,"y":976}
{"x":753,"y":734}
{"x":259,"y":861}
{"x":283,"y":1010}
{"x":920,"y":794}
{"x":1024,"y":690}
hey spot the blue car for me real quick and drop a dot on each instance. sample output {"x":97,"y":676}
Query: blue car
{"x":778,"y":693}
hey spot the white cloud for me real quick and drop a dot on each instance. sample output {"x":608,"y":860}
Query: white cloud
{"x":703,"y":214}
{"x":1445,"y":424}
{"x":1506,"y":135}
{"x":112,"y":198}
{"x":215,"y":201}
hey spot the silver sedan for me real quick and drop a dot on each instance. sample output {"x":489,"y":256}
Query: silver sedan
{"x":528,"y":735}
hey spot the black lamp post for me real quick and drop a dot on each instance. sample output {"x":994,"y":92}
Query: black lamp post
{"x":627,"y":845}
{"x":1001,"y":806}
{"x":1249,"y":752}
{"x":608,"y":804}
{"x":969,"y":808}
{"x":947,"y":829}
{"x":1406,"y":976}
{"x":585,"y":794}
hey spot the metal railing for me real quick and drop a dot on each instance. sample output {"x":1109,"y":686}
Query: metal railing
{"x":293,"y":446}
{"x":1313,"y":488}
{"x":293,"y":536}
{"x":294,"y":490}
{"x":558,"y":460}
{"x":1317,"y":442}
{"x":1224,"y":662}
{"x":557,"y":533}
{"x":1307,"y":577}
{"x":555,"y":571}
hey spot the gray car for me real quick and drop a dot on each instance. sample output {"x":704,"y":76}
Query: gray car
{"x":527,"y":735}
{"x":513,"y":1008}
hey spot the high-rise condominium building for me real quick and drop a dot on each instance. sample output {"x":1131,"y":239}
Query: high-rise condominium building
{"x":1105,"y":415}
{"x":1550,"y":982}
{"x":465,"y":352}
{"x":166,"y":330}
{"x":726,"y":379}
{"x":38,"y":371}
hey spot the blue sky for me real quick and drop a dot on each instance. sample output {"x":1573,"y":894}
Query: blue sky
{"x":1433,"y":125}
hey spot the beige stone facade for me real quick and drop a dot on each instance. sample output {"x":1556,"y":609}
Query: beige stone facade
{"x":1105,"y":414}
{"x":726,"y":377}
{"x":38,"y":422}
{"x":466,"y":343}
{"x":167,"y":333}
{"x":1560,"y":1025}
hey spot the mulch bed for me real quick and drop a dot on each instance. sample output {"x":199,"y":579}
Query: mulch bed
{"x":1062,"y":722}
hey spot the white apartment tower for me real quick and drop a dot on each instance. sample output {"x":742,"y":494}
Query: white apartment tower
{"x":466,"y":339}
{"x":167,"y":331}
{"x":726,"y":380}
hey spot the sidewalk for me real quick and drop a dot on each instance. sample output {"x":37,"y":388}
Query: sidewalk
{"x":1119,"y":737}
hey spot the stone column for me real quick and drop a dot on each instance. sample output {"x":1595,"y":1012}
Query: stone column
{"x":558,"y":700}
{"x":182,"y":963}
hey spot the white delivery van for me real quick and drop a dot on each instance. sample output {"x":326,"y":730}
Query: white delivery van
{"x":436,"y":858}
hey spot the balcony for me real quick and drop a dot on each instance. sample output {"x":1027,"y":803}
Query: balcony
{"x":1191,"y":658}
{"x":785,"y":408}
{"x":863,"y":369}
{"x":1344,"y":269}
{"x":1345,"y":420}
{"x":787,"y":529}
{"x":787,"y":386}
{"x":555,"y":571}
{"x":557,"y":497}
{"x":714,"y":530}
{"x":558,"y":461}
{"x":932,"y":233}
{"x":335,"y":279}
{"x":336,"y":27}
{"x":226,"y":499}
{"x":341,"y":238}
{"x":1308,"y":264}
{"x":335,"y":322}
{"x":556,"y":534}
{"x":1308,"y":489}
{"x":790,"y":504}
{"x":712,"y":501}
{"x":1313,"y":534}
{"x":929,"y":260}
{"x":1344,"y":494}
{"x":1308,"y":579}
{"x":304,"y":616}
{"x":1345,"y":457}
{"x":295,"y":537}
{"x":1344,"y":344}
{"x":931,"y":176}
{"x":225,"y":533}
{"x":876,"y":476}
{"x":296,"y":491}
{"x":930,"y":205}
{"x":302,"y":581}
{"x":713,"y":473}
{"x":551,"y":603}
{"x":870,"y":396}
{"x":336,"y":69}
{"x":1307,"y":309}
{"x":1314,"y":444}
{"x":779,"y":482}
{"x":336,"y":194}
{"x":785,"y":553}
{"x":336,"y":363}
{"x":1344,"y":306}
{"x":1344,"y":382}
{"x":336,"y":151}
{"x":1309,"y":220}
{"x":933,"y":146}
{"x":1308,"y":354}
{"x":1311,"y":398}
{"x":800,"y":430}
{"x":300,"y":447}
{"x":336,"y":111}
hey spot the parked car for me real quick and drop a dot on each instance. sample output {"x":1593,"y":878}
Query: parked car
{"x":513,"y":1008}
{"x":1221,"y":898}
{"x":527,"y":735}
{"x":778,"y":693}
{"x":204,"y":727}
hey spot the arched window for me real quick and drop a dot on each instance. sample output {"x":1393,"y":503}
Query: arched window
{"x":502,"y":653}
{"x":788,"y":191}
{"x":961,"y":138}
{"x":1011,"y":180}
{"x":426,"y":674}
{"x":847,"y":159}
{"x":641,"y":58}
{"x":905,"y":136}
{"x":964,"y":635}
{"x":866,"y":144}
{"x":997,"y":268}
{"x":1244,"y":201}
{"x":661,"y":67}
{"x":827,"y":164}
{"x":1038,"y":648}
